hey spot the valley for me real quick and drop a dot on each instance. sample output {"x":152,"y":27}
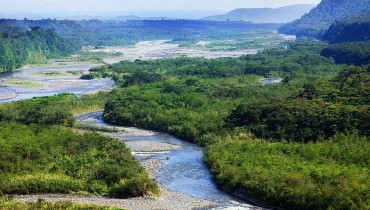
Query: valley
{"x":257,"y":108}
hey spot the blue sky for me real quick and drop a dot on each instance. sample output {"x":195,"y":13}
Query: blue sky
{"x":101,"y":6}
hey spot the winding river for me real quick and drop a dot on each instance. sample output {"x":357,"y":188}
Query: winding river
{"x":183,"y":170}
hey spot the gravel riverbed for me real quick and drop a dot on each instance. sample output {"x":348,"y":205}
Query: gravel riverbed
{"x":167,"y":200}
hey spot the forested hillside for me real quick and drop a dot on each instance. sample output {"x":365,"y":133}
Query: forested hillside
{"x":356,"y":53}
{"x":353,"y":29}
{"x":18,"y":48}
{"x":110,"y":33}
{"x":350,"y":40}
{"x":316,"y":22}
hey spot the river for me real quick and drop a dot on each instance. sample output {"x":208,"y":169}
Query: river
{"x":48,"y":80}
{"x":182,"y":170}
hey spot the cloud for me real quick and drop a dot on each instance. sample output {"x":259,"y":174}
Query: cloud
{"x":137,"y":5}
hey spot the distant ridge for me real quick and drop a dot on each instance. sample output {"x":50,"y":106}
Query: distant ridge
{"x":128,"y":17}
{"x":318,"y":20}
{"x":265,"y":15}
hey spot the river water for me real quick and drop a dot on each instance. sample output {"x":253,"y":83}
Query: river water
{"x":183,"y":170}
{"x":56,"y":78}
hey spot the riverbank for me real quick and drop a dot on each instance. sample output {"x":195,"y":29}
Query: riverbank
{"x":58,"y":77}
{"x":143,"y":150}
{"x":157,"y":49}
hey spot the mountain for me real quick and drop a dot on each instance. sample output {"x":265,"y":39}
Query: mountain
{"x":350,"y":41}
{"x":265,"y":15}
{"x":350,"y":30}
{"x":128,"y":17}
{"x":318,"y":20}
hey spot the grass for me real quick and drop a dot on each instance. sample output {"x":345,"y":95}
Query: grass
{"x":10,"y":204}
{"x":23,"y":83}
{"x":51,"y":74}
{"x":96,"y":128}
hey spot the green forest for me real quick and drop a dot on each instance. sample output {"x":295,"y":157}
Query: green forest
{"x":318,"y":20}
{"x":41,"y":152}
{"x":302,"y":143}
{"x":122,"y":33}
{"x":31,"y":47}
{"x":351,"y":29}
{"x":267,"y":141}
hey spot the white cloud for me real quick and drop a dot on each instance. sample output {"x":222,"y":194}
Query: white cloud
{"x":137,"y":5}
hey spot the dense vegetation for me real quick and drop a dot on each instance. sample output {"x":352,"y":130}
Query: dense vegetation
{"x":352,"y":53}
{"x":353,"y":29}
{"x":9,"y":204}
{"x":329,"y":175}
{"x":316,"y":22}
{"x":190,"y":96}
{"x":38,"y":156}
{"x":351,"y":41}
{"x":110,"y":33}
{"x":220,"y":103}
{"x":31,"y":47}
{"x":324,"y":108}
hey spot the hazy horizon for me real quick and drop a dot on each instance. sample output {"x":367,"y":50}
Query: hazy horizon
{"x":142,"y":8}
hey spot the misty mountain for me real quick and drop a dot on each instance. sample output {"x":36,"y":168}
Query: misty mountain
{"x":265,"y":15}
{"x":128,"y":17}
{"x":318,"y":20}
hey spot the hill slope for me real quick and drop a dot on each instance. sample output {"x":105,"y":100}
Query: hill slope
{"x":265,"y":15}
{"x":318,"y":20}
{"x":350,"y":30}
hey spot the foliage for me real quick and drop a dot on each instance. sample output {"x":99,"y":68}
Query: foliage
{"x":318,"y":20}
{"x":51,"y":159}
{"x":330,"y":175}
{"x":10,"y":204}
{"x":113,"y":33}
{"x":353,"y":29}
{"x":352,"y":53}
{"x":197,"y":99}
{"x":87,"y":127}
{"x":52,"y":110}
{"x":326,"y":108}
{"x":190,"y":97}
{"x":44,"y":110}
{"x":31,"y":47}
{"x":95,"y":56}
{"x":300,"y":60}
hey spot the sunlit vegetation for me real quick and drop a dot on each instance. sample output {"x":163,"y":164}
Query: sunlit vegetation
{"x":95,"y":56}
{"x":39,"y":158}
{"x":10,"y":204}
{"x":31,"y":47}
{"x":323,"y":109}
{"x":191,"y":97}
{"x":51,"y":159}
{"x":22,"y":83}
{"x":333,"y":174}
{"x":221,"y":104}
